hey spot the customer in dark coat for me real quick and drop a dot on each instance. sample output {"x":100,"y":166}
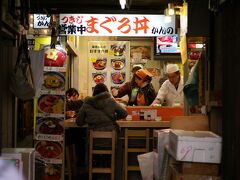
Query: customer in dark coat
{"x":100,"y":111}
{"x":73,"y":103}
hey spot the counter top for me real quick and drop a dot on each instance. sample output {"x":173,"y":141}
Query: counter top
{"x":70,"y":123}
{"x":150,"y":124}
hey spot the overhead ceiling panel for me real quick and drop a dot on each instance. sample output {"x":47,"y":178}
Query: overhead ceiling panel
{"x":98,"y":6}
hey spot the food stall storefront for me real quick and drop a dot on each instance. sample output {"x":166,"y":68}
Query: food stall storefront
{"x":104,"y":55}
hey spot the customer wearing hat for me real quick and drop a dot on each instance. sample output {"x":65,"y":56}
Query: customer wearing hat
{"x":171,"y":91}
{"x":143,"y":94}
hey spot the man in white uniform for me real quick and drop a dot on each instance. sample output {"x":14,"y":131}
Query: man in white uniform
{"x":171,"y":91}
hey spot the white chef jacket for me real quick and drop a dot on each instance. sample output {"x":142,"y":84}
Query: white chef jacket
{"x":169,"y":93}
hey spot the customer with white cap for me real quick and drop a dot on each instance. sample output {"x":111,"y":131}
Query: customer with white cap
{"x":171,"y":91}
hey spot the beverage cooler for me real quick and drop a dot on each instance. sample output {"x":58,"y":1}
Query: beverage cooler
{"x":24,"y":160}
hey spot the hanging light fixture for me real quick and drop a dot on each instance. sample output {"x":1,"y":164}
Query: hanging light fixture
{"x":170,"y":9}
{"x":122,"y":3}
{"x":173,"y":9}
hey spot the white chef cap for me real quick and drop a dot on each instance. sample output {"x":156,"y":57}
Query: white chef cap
{"x":172,"y":68}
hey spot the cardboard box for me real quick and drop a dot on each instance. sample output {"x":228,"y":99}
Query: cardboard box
{"x":200,"y":168}
{"x":176,"y":174}
{"x":195,"y":146}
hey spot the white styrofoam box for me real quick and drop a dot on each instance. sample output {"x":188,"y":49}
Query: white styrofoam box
{"x":149,"y":114}
{"x":161,"y":139}
{"x":11,"y":168}
{"x":27,"y":156}
{"x":195,"y":146}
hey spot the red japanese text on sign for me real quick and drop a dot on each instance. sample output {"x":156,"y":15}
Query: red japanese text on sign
{"x":115,"y":25}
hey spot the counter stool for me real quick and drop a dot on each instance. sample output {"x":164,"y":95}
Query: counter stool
{"x":94,"y":135}
{"x":134,"y":135}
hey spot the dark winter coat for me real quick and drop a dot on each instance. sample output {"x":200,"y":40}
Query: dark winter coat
{"x":148,"y":91}
{"x":100,"y":112}
{"x":74,"y":105}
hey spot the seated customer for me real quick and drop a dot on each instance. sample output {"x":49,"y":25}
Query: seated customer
{"x":100,"y":111}
{"x":73,"y":104}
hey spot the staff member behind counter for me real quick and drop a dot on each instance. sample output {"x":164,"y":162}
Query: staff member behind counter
{"x":171,"y":91}
{"x":142,"y":93}
{"x":126,"y":89}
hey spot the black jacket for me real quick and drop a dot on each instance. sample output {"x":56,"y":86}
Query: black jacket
{"x":100,"y":112}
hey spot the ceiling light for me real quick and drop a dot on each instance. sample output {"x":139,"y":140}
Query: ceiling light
{"x":122,"y":3}
{"x":171,"y":12}
{"x":170,"y":9}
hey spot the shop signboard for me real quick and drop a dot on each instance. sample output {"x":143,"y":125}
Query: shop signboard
{"x":41,"y":21}
{"x":115,"y":25}
{"x":50,"y":114}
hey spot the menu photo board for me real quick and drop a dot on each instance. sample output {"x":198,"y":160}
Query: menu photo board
{"x":50,"y":114}
{"x":109,"y":63}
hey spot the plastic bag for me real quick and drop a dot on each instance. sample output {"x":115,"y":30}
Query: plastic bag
{"x":21,"y":79}
{"x":146,"y":165}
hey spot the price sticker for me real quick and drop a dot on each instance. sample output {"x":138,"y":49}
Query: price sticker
{"x":93,"y":59}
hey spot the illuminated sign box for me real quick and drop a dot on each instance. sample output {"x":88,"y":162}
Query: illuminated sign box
{"x":41,"y":21}
{"x":168,"y":44}
{"x":115,"y":25}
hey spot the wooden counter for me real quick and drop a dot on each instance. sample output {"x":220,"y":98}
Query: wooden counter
{"x":70,"y":123}
{"x":143,"y":124}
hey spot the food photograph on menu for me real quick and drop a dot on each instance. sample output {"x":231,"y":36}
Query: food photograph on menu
{"x":118,"y":49}
{"x":53,"y":81}
{"x":55,"y":57}
{"x":49,"y":103}
{"x":118,"y":64}
{"x":50,"y":125}
{"x":48,"y":171}
{"x":99,"y":77}
{"x":49,"y":149}
{"x":118,"y":77}
{"x":100,"y":63}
